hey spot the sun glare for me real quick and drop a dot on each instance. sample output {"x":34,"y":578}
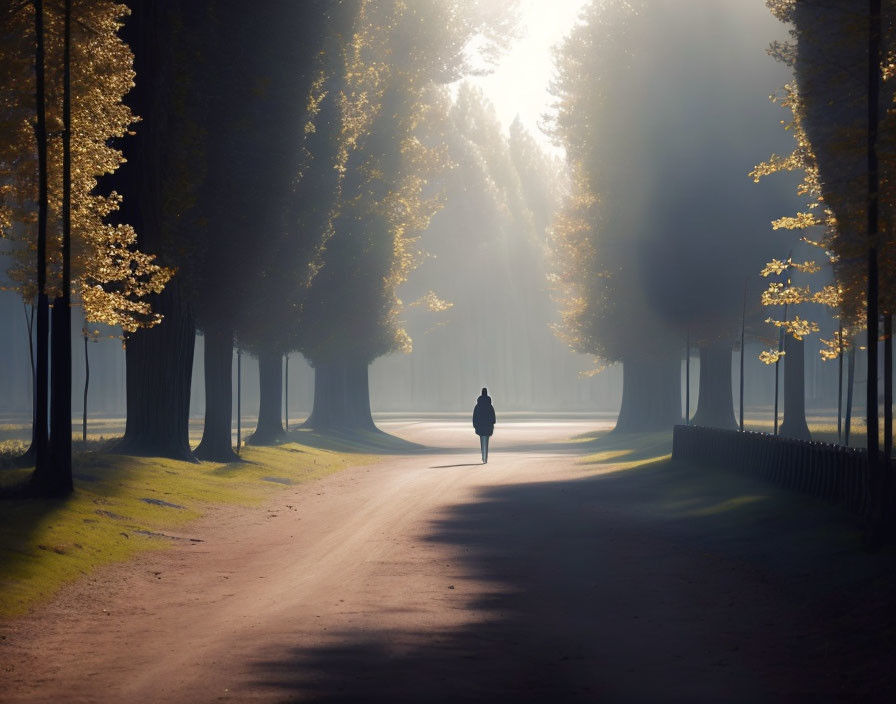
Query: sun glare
{"x":519,"y":84}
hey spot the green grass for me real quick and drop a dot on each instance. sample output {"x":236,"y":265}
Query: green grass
{"x":46,"y":543}
{"x":622,"y":451}
{"x":370,"y":441}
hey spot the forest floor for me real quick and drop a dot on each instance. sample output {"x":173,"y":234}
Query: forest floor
{"x":571,"y":567}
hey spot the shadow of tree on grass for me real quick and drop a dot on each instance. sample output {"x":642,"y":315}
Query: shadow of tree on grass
{"x":360,"y":441}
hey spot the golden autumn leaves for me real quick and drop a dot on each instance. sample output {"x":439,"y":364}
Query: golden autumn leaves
{"x":828,"y":105}
{"x":110,"y":277}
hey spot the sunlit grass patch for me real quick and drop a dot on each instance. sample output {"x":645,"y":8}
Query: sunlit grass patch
{"x":608,"y":455}
{"x":124,"y":505}
{"x":632,"y":464}
{"x":628,"y":451}
{"x":10,"y":451}
{"x":365,"y":441}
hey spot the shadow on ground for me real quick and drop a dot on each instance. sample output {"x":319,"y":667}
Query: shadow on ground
{"x":634,"y":447}
{"x":355,"y":441}
{"x":661,"y":582}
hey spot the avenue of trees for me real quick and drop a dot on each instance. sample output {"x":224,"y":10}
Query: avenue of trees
{"x":260,"y":177}
{"x":271,"y":179}
{"x":479,"y":302}
{"x":663,"y":229}
{"x":660,"y":240}
{"x":842,"y":100}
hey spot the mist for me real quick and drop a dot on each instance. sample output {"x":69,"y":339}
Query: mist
{"x":687,"y":118}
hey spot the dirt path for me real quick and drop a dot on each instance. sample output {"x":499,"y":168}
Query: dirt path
{"x":430,"y":578}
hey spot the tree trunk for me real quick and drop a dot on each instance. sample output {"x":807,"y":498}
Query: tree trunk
{"x":239,"y":400}
{"x":715,"y":401}
{"x":53,"y":468}
{"x":269,"y":430}
{"x":872,"y":438}
{"x":888,"y":411}
{"x":888,"y":386}
{"x":41,"y":443}
{"x":216,"y":444}
{"x":687,"y":380}
{"x":651,"y":394}
{"x":159,"y":372}
{"x":58,"y":481}
{"x":341,"y":398}
{"x":781,"y":334}
{"x":840,"y":384}
{"x":159,"y":359}
{"x":794,"y":424}
{"x":86,"y":388}
{"x":850,"y":383}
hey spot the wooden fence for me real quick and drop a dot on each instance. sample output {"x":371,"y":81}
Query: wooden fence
{"x":833,"y":472}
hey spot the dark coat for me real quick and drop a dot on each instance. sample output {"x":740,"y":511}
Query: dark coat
{"x":484,"y":416}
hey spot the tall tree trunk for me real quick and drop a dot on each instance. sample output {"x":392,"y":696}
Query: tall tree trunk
{"x":216,"y":444}
{"x":159,"y":359}
{"x":239,"y":400}
{"x":41,"y":441}
{"x":86,"y":387}
{"x":743,"y":327}
{"x":687,"y":380}
{"x":872,"y":437}
{"x":651,"y":394}
{"x":341,"y":398}
{"x":888,"y":410}
{"x":715,"y":400}
{"x":840,"y":384}
{"x":58,"y":480}
{"x":159,"y":373}
{"x":778,"y":372}
{"x":850,"y":383}
{"x":794,"y":423}
{"x":269,"y":430}
{"x":888,"y":386}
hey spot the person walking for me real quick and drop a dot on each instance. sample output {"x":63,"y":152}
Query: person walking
{"x":484,"y":421}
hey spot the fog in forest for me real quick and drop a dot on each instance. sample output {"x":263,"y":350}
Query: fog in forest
{"x":691,"y":120}
{"x":400,"y":382}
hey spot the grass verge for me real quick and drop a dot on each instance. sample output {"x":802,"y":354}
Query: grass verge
{"x":722,"y":511}
{"x":125,"y":505}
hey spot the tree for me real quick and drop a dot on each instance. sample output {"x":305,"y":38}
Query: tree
{"x":843,"y":124}
{"x":476,"y":311}
{"x":58,"y":475}
{"x":160,"y":181}
{"x":598,"y":309}
{"x":662,"y":228}
{"x":263,"y":78}
{"x":604,"y":308}
{"x":271,"y":318}
{"x":109,"y":277}
{"x":395,"y":57}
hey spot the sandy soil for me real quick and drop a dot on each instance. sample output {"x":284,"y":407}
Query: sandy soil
{"x":431,"y":577}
